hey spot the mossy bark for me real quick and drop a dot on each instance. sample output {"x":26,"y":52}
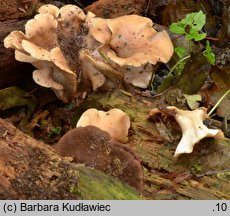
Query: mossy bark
{"x":30,"y":169}
{"x":203,"y":174}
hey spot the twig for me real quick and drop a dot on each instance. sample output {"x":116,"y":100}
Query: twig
{"x":181,"y":60}
{"x":218,"y":102}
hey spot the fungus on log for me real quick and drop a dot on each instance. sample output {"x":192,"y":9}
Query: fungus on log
{"x":67,"y":47}
{"x":192,"y":126}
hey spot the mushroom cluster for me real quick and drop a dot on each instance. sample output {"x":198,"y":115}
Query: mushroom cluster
{"x":69,"y":47}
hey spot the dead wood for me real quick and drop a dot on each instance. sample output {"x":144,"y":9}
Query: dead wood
{"x":12,"y":72}
{"x":30,"y":169}
{"x":115,"y":8}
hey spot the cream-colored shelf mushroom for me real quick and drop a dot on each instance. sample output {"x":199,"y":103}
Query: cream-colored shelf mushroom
{"x":115,"y":122}
{"x":132,"y":42}
{"x":40,"y":47}
{"x":193,"y":129}
{"x":68,"y":46}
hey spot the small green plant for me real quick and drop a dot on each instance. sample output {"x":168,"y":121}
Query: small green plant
{"x":208,"y":53}
{"x":54,"y":131}
{"x":191,"y":27}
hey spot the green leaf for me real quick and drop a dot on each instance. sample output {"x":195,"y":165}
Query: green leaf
{"x":198,"y":20}
{"x":178,"y":28}
{"x":195,"y":20}
{"x":195,"y":35}
{"x":193,"y":100}
{"x":180,"y":51}
{"x":15,"y":97}
{"x":188,"y":20}
{"x":208,"y":53}
{"x":190,"y":26}
{"x":54,"y":131}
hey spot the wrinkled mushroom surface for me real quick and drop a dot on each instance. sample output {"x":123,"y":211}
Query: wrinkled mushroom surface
{"x":115,"y":122}
{"x":193,"y":129}
{"x":40,"y":46}
{"x":132,"y":41}
{"x":93,"y":147}
{"x":68,"y":46}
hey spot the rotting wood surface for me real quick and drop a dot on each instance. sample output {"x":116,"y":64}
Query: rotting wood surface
{"x":30,"y":169}
{"x":203,"y":174}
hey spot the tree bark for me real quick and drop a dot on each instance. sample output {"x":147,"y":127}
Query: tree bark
{"x":12,"y":72}
{"x":30,"y":169}
{"x":115,"y":8}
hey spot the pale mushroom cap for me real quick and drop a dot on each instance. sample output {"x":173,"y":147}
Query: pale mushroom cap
{"x":59,"y":60}
{"x":14,"y":40}
{"x":115,"y":122}
{"x":54,"y":37}
{"x":139,"y":79}
{"x":135,"y":42}
{"x":96,"y":70}
{"x":193,"y":129}
{"x":72,"y":13}
{"x":19,"y":56}
{"x":36,"y":51}
{"x":44,"y":78}
{"x":99,"y":29}
{"x":44,"y":75}
{"x":50,"y":9}
{"x":91,"y":72}
{"x":42,"y":31}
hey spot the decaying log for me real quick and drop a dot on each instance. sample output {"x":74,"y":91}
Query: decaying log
{"x":17,"y":9}
{"x":30,"y":169}
{"x":12,"y":72}
{"x":13,"y":16}
{"x":203,"y":174}
{"x":115,"y":8}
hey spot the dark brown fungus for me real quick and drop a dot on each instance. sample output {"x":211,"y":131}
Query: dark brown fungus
{"x":93,"y":147}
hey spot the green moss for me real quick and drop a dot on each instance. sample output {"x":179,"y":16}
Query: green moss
{"x":94,"y":185}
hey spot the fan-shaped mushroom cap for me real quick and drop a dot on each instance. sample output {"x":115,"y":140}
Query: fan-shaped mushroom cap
{"x":51,"y":76}
{"x":72,"y":13}
{"x":42,"y":31}
{"x":133,"y":40}
{"x":50,"y":9}
{"x":139,"y":76}
{"x":91,"y":72}
{"x":99,"y":29}
{"x":193,"y":129}
{"x":96,"y":70}
{"x":115,"y":122}
{"x":40,"y":46}
{"x":14,"y":40}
